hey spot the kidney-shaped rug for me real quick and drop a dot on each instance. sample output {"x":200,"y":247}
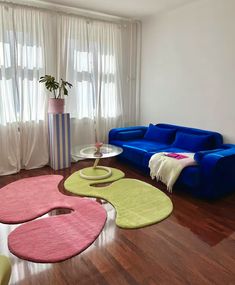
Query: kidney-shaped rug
{"x":54,"y":238}
{"x":138,"y":204}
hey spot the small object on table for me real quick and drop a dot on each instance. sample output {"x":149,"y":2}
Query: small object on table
{"x":98,"y":145}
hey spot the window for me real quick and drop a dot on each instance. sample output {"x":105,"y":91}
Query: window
{"x":20,"y":69}
{"x":89,"y":69}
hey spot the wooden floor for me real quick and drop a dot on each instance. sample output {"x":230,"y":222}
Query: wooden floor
{"x":195,"y":245}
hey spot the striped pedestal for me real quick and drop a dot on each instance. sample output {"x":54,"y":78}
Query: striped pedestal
{"x":59,"y":140}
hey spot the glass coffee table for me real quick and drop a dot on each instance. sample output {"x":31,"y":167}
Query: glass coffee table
{"x":91,"y":151}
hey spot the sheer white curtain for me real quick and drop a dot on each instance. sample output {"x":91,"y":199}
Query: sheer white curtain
{"x":131,"y":72}
{"x":106,"y":44}
{"x":9,"y":136}
{"x":75,"y":63}
{"x":23,"y":128}
{"x":91,"y":53}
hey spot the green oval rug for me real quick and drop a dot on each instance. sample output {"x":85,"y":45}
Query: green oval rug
{"x":138,"y":204}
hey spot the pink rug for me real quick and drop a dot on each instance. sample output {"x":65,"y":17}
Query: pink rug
{"x":54,"y":238}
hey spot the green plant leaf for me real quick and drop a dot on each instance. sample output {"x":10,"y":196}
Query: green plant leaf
{"x":65,"y":91}
{"x":53,"y":85}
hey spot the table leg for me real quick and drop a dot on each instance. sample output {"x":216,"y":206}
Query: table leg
{"x":96,"y":162}
{"x":108,"y":172}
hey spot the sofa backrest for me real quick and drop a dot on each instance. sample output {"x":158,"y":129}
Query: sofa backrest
{"x":216,"y":138}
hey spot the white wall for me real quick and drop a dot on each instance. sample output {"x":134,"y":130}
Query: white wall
{"x":188,"y":67}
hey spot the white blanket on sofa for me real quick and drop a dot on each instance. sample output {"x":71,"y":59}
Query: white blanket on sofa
{"x":168,"y":169}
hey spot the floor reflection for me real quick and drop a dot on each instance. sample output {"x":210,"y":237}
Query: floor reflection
{"x":20,"y":268}
{"x":207,"y":223}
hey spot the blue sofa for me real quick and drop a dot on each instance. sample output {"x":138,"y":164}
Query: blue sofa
{"x":212,"y":177}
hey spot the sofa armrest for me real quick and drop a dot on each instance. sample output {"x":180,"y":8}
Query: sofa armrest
{"x":199,"y":155}
{"x":217,"y":173}
{"x":127,"y":133}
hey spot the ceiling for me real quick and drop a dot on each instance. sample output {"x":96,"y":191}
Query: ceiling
{"x":124,"y":8}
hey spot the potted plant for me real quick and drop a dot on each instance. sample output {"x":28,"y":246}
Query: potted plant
{"x":56,"y":103}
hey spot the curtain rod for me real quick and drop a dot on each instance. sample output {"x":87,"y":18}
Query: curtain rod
{"x":69,"y":10}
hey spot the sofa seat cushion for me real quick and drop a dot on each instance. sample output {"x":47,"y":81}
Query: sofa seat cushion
{"x":148,"y":155}
{"x":189,"y":177}
{"x":133,"y":154}
{"x":136,"y":150}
